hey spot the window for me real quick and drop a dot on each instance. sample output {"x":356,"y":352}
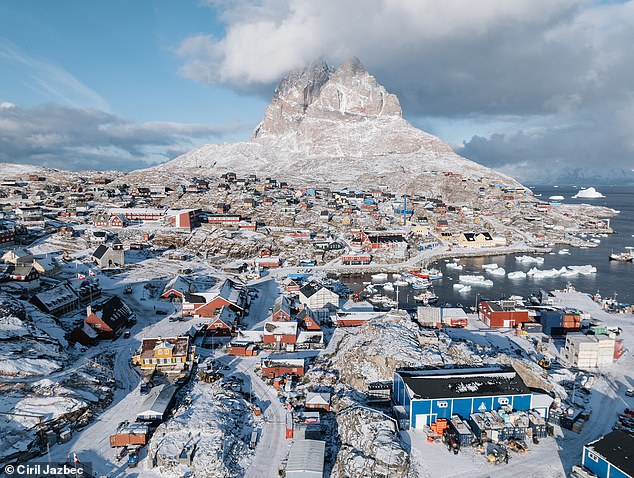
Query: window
{"x":442,"y":404}
{"x":593,"y":457}
{"x":503,"y":401}
{"x":160,"y":352}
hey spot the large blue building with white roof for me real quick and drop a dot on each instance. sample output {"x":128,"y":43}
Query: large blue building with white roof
{"x":429,"y":394}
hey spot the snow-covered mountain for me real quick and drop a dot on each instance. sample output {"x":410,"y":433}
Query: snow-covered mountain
{"x":336,"y":126}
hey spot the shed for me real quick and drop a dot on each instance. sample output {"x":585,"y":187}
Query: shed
{"x":157,"y":404}
{"x":306,"y":459}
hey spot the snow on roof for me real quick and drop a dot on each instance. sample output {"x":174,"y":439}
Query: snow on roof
{"x":136,"y":210}
{"x":158,"y":400}
{"x":58,"y":295}
{"x":451,"y":383}
{"x":181,"y":345}
{"x":318,"y":397}
{"x":306,"y":456}
{"x":250,"y":335}
{"x":310,"y":337}
{"x":435,"y":314}
{"x":178,"y":283}
{"x":280,"y":328}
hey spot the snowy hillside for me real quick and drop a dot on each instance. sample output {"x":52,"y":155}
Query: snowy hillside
{"x":336,"y":126}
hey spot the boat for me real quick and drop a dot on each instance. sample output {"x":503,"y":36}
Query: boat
{"x":381,"y":277}
{"x":430,"y":274}
{"x":622,"y":256}
{"x":427,"y":297}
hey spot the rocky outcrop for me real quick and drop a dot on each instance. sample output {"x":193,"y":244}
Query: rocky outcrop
{"x":370,"y":446}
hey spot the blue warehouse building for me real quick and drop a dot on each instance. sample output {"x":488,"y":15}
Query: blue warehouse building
{"x":611,"y":456}
{"x":429,"y":394}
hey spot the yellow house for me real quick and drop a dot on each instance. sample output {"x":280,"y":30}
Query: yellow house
{"x":173,"y":353}
{"x":420,"y":230}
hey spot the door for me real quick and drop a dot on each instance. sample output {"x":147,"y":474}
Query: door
{"x":424,"y":419}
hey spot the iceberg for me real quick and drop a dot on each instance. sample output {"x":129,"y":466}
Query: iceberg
{"x":476,"y":280}
{"x":530,"y":259}
{"x":454,"y":266}
{"x":489,"y":266}
{"x":498,"y":271}
{"x":516,"y":275}
{"x":589,"y":193}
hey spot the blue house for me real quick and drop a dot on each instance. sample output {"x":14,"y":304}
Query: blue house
{"x":611,"y":456}
{"x":429,"y":394}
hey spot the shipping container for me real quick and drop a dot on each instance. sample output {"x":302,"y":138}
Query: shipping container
{"x":462,"y":430}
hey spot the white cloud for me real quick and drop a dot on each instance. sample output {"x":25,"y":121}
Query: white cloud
{"x":74,"y":138}
{"x":568,"y":64}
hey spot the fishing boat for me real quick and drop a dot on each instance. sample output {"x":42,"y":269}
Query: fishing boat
{"x":430,"y":274}
{"x":627,"y":256}
{"x":426,"y":298}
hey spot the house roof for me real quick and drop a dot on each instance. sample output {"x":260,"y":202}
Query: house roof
{"x":158,"y":400}
{"x":616,"y":447}
{"x":180,"y":344}
{"x":456,"y":383}
{"x":310,"y":337}
{"x":178,"y":283}
{"x":318,"y":397}
{"x":20,"y":270}
{"x":310,"y":289}
{"x":282,"y":304}
{"x":280,"y":328}
{"x":115,"y":313}
{"x":306,"y":456}
{"x":59,"y":295}
{"x":226,"y":316}
{"x":100,"y":251}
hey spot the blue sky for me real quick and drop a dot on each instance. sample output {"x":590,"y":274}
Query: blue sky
{"x":122,"y":52}
{"x":513,"y":85}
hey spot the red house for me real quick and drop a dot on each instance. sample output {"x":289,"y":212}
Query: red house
{"x":307,"y":322}
{"x":112,"y":317}
{"x":244,"y":349}
{"x":273,"y":367}
{"x":282,"y":334}
{"x":502,"y":314}
{"x":223,"y":323}
{"x":281,"y":309}
{"x":207,"y":304}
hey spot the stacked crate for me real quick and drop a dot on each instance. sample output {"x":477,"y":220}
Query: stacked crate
{"x":439,"y":426}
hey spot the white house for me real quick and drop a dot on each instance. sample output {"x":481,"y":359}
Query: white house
{"x":316,"y":296}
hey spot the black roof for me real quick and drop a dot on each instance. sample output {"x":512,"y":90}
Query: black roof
{"x":115,"y":313}
{"x":469,"y":382}
{"x":194,"y":299}
{"x":100,"y":251}
{"x":617,"y":447}
{"x":308,"y":290}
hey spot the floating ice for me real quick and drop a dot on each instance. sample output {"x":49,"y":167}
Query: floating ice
{"x":530,"y":259}
{"x":589,"y":193}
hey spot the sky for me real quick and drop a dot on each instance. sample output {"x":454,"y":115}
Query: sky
{"x":534,"y":88}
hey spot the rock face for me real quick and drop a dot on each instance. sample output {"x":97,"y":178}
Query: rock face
{"x":370,"y":446}
{"x":339,"y":127}
{"x":348,"y":94}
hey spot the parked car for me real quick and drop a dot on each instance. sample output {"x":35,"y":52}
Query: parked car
{"x":629,"y":392}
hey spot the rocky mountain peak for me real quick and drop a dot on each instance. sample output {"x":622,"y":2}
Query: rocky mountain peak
{"x":319,"y":92}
